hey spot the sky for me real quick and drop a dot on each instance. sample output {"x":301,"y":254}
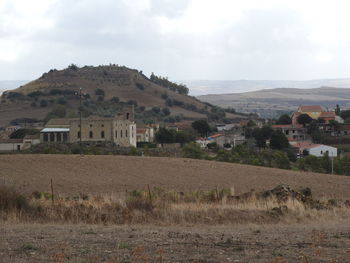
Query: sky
{"x":180,"y":39}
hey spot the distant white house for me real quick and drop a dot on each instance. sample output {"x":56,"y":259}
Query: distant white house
{"x":319,"y":150}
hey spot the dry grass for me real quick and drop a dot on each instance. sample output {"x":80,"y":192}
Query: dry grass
{"x":161,"y":207}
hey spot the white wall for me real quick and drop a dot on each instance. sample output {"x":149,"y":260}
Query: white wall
{"x":322,"y":149}
{"x":9,"y":147}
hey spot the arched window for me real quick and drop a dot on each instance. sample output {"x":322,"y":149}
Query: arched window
{"x":102,"y":134}
{"x":121,"y":133}
{"x":91,"y":135}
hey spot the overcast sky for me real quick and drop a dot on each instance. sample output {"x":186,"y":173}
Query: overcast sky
{"x":181,"y":39}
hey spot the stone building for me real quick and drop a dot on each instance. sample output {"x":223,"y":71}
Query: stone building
{"x":120,"y":129}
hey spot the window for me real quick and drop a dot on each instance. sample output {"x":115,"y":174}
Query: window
{"x":102,"y":125}
{"x":321,"y":152}
{"x":91,"y":135}
{"x":126,"y":133}
{"x":116,"y":134}
{"x":102,"y":134}
{"x":78,"y":135}
{"x":90,"y":125}
{"x":127,"y":115}
{"x":18,"y":147}
{"x":121,"y":133}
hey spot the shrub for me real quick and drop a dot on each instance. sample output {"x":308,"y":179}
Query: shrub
{"x":192,"y":150}
{"x":140,"y":86}
{"x":35,"y":94}
{"x":43,"y":103}
{"x":115,"y":100}
{"x":10,"y":200}
{"x":99,"y":92}
{"x":61,"y":101}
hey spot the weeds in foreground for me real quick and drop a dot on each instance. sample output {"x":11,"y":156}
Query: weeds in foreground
{"x":159,"y":206}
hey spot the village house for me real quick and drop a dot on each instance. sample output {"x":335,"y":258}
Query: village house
{"x":318,"y":150}
{"x":121,"y":130}
{"x":292,"y":132}
{"x":315,"y":112}
{"x":146,"y":133}
{"x":12,"y":145}
{"x":222,"y":139}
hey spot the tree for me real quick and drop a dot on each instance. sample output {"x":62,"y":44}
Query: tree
{"x":165,"y":136}
{"x":345,"y":114}
{"x":284,"y":119}
{"x":166,"y":111}
{"x":202,"y":127}
{"x":115,"y":99}
{"x":261,"y":135}
{"x":99,"y":92}
{"x":337,"y":110}
{"x":278,"y":140}
{"x":251,"y":123}
{"x":304,"y":119}
{"x":43,"y":103}
{"x":21,"y":133}
{"x":156,"y":110}
{"x":192,"y":150}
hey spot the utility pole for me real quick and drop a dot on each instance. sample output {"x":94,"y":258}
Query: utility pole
{"x":80,"y":121}
{"x":332,"y":161}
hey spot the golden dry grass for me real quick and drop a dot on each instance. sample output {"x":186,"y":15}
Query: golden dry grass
{"x":172,"y":208}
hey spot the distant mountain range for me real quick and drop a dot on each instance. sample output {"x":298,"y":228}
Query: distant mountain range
{"x":203,"y":87}
{"x":273,"y":102}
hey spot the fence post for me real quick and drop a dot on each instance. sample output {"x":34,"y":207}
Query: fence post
{"x":149,"y":193}
{"x":52,"y":197}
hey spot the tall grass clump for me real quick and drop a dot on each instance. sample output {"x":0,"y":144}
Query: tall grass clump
{"x":11,"y":201}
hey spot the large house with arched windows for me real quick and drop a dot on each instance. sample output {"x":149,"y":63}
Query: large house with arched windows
{"x":120,"y":129}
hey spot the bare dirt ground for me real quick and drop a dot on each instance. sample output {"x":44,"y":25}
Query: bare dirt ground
{"x":74,"y":174}
{"x":273,"y":244}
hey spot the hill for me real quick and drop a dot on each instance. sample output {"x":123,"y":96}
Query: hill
{"x":10,"y":84}
{"x":74,"y":174}
{"x":272,"y":102}
{"x":107,"y":89}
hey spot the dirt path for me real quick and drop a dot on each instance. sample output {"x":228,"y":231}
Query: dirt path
{"x":74,"y":174}
{"x":72,"y":243}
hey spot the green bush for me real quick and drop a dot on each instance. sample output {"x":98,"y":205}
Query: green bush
{"x":192,"y":150}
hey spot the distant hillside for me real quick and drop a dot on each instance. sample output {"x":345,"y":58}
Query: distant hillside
{"x":272,"y":102}
{"x":202,"y":87}
{"x":107,"y":90}
{"x":10,"y":84}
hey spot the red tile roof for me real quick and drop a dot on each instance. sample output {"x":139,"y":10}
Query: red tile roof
{"x":288,"y":126}
{"x":305,"y":145}
{"x":215,"y":135}
{"x":11,"y":140}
